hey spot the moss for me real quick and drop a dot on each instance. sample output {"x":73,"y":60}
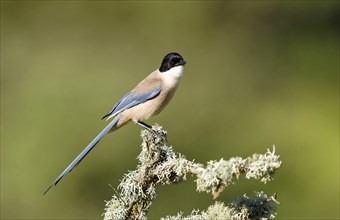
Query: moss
{"x":159,"y":165}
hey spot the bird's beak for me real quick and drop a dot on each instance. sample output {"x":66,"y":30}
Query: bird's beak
{"x":182,"y":63}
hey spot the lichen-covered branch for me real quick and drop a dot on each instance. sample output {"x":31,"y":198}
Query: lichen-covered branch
{"x":243,"y":208}
{"x":159,"y":164}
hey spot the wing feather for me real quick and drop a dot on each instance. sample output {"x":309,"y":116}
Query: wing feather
{"x":130,"y":100}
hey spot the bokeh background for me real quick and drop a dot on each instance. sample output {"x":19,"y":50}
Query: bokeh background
{"x":259,"y":73}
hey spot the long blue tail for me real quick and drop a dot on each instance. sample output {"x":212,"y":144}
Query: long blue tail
{"x":81,"y":156}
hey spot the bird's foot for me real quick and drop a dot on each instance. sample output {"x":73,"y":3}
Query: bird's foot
{"x":160,"y":134}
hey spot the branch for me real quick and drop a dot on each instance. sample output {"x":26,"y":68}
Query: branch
{"x":159,"y":164}
{"x":243,"y":208}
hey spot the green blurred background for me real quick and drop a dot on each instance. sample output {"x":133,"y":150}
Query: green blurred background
{"x":259,"y":73}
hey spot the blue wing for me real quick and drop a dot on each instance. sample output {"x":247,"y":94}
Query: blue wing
{"x":130,"y":100}
{"x":81,"y":156}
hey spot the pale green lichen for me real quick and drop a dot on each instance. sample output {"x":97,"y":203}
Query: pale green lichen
{"x":219,"y":174}
{"x":261,"y":207}
{"x":159,"y":164}
{"x":263,"y":166}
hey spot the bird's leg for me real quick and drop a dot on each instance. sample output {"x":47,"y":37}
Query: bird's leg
{"x":149,"y":128}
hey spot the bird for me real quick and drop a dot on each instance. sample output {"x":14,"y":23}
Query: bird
{"x":147,"y":99}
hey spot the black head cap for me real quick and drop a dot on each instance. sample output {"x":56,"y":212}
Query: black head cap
{"x":171,"y":60}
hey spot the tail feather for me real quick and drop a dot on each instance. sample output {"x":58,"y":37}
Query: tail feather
{"x":81,"y":156}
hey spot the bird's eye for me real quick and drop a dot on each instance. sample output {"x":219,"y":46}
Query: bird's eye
{"x":174,"y":61}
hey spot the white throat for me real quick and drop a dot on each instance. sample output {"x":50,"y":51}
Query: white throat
{"x":173,"y":75}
